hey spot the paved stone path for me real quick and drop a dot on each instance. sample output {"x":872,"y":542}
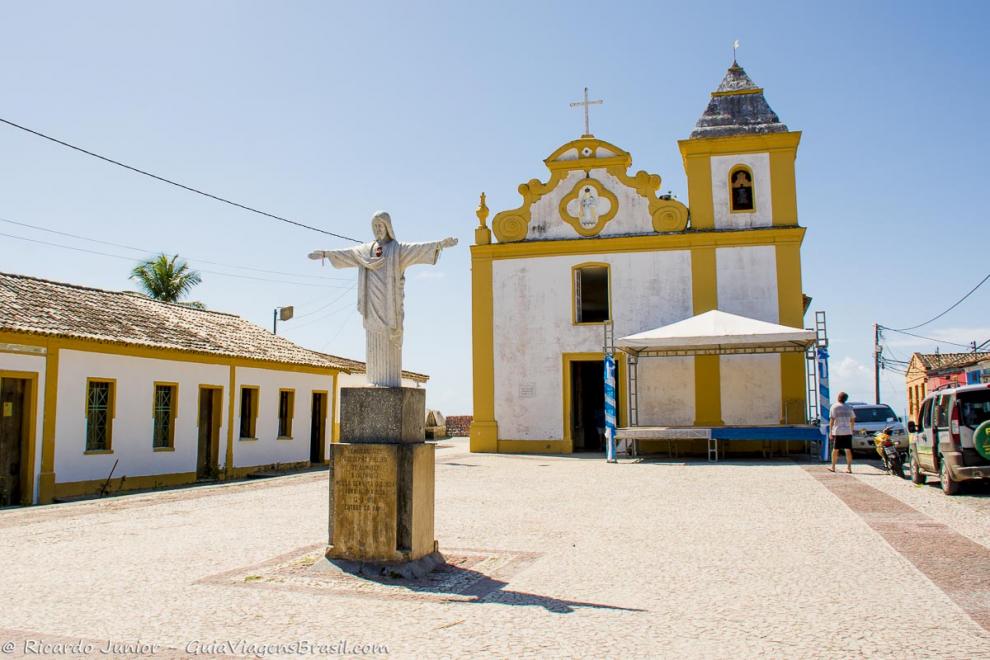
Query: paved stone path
{"x":553,"y":556}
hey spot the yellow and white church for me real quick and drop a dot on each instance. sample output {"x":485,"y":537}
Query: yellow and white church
{"x":595,"y":246}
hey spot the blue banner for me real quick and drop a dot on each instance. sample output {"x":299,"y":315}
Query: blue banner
{"x":823,"y":398}
{"x":610,"y":408}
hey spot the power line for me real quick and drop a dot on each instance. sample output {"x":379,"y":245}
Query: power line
{"x":340,"y":328}
{"x":327,"y":315}
{"x":891,"y":366}
{"x":131,"y":259}
{"x":144,"y":251}
{"x":311,"y":301}
{"x":175,"y":183}
{"x":954,"y":305}
{"x":887,"y":347}
{"x":934,"y":341}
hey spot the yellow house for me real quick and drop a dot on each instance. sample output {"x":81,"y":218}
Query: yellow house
{"x":596,"y":245}
{"x":104,"y":390}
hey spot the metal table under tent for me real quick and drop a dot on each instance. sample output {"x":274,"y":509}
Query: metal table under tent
{"x":711,"y":333}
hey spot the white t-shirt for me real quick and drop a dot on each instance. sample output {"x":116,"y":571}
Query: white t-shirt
{"x":843,"y":416}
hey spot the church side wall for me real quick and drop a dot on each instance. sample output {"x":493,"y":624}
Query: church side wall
{"x":751,"y":389}
{"x":532,"y":311}
{"x":666,"y":391}
{"x":747,"y":285}
{"x":747,"y":282}
{"x":131,"y":439}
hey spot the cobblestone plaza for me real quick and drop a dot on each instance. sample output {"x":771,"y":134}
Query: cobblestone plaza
{"x":548,"y":556}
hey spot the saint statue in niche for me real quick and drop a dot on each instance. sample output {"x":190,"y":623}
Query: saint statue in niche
{"x":588,"y":201}
{"x":381,"y":268}
{"x":742,"y":191}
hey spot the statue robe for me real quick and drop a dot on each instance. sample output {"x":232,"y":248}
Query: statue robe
{"x":381,"y":281}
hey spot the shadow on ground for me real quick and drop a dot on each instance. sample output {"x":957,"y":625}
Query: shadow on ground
{"x":474,"y":587}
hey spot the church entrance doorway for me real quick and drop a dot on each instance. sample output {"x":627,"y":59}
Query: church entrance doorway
{"x":317,"y":428}
{"x":15,"y":394}
{"x":209,"y":432}
{"x":587,"y":418}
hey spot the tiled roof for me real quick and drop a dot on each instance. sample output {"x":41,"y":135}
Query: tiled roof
{"x":941,"y":361}
{"x":737,"y":107}
{"x":40,"y":307}
{"x":358,"y":367}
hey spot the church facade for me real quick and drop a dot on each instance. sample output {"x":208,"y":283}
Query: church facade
{"x":595,"y":245}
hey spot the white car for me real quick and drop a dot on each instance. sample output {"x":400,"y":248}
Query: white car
{"x":873,"y":417}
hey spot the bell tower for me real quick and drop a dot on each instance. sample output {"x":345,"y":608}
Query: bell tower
{"x":739,"y":160}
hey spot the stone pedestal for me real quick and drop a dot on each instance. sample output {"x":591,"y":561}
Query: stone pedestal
{"x":382,"y":484}
{"x":382,"y":414}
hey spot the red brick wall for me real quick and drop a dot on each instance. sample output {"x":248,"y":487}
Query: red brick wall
{"x":459,"y":425}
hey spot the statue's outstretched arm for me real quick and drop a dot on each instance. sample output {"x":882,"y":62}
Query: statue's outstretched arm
{"x":423,"y":253}
{"x":344,"y":258}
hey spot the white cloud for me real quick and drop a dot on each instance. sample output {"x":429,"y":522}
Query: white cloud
{"x":853,"y":377}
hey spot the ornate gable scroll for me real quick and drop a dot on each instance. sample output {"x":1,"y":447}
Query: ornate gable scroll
{"x":589,"y":194}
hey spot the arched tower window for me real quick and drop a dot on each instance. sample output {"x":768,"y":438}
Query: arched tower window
{"x":741,"y":189}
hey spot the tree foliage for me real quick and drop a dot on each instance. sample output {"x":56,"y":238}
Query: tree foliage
{"x":165,"y":278}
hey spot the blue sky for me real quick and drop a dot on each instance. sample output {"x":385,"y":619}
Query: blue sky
{"x":325,"y":112}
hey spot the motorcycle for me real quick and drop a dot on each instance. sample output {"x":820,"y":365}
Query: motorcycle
{"x":893,"y":460}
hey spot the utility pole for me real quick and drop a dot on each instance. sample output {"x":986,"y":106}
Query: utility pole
{"x":876,"y":362}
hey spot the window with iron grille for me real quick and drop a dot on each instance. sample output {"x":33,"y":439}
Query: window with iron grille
{"x":164,"y":416}
{"x":99,"y":407}
{"x":285,"y":401}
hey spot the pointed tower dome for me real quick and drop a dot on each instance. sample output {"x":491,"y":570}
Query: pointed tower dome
{"x":737,"y":108}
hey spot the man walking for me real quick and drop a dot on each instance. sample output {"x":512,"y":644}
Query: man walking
{"x":841,"y":426}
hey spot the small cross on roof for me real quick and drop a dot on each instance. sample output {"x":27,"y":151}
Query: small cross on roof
{"x":586,"y":103}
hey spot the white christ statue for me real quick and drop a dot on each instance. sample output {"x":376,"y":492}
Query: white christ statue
{"x":381,"y":268}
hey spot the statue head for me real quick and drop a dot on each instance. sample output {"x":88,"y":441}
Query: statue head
{"x":381,"y":226}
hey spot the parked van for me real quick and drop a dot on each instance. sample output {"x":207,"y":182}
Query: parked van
{"x":942,"y":441}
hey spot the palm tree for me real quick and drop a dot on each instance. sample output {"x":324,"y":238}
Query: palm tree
{"x":165,"y":278}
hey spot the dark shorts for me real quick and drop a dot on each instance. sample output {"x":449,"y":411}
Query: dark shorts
{"x":842,"y":442}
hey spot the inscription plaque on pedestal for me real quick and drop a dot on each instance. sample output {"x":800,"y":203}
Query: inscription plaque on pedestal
{"x":364,"y":501}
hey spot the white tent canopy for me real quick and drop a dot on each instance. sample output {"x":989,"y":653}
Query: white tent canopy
{"x":717,"y":332}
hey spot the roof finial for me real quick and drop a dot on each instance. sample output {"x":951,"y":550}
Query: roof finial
{"x":482,"y":211}
{"x":735,"y":47}
{"x":482,"y":234}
